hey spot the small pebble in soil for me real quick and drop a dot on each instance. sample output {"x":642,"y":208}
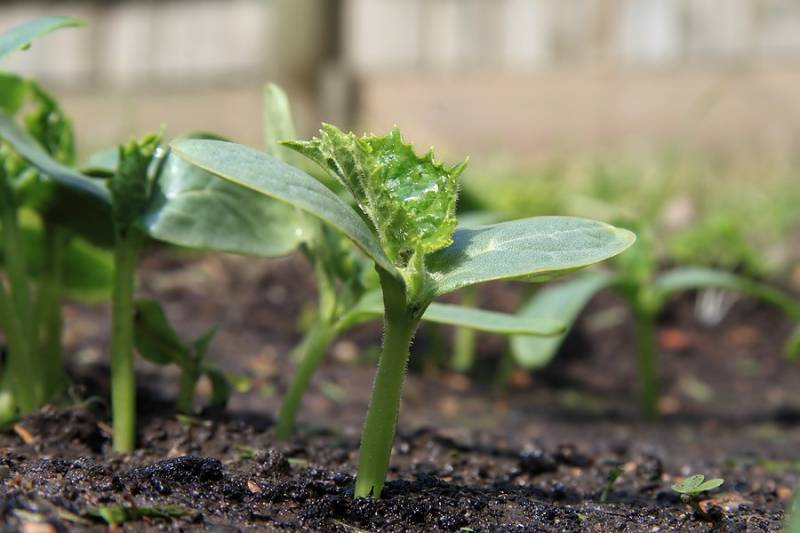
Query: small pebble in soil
{"x":180,"y":470}
{"x":536,"y":462}
{"x":272,"y":463}
{"x":650,"y":468}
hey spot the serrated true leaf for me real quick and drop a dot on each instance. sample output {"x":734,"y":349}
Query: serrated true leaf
{"x":194,"y":208}
{"x":410,"y":200}
{"x":266,"y":175}
{"x":13,"y":91}
{"x":371,"y":306}
{"x":532,"y":249}
{"x":20,"y":37}
{"x":563,"y":302}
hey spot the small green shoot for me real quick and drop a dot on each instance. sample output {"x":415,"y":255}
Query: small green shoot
{"x":793,"y":514}
{"x":691,"y":490}
{"x":612,"y":477}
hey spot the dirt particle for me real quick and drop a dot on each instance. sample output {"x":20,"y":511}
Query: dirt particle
{"x":272,"y":463}
{"x":536,"y":462}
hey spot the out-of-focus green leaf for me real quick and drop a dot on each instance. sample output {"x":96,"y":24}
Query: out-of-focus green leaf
{"x":371,"y":306}
{"x":13,"y":91}
{"x":563,"y":302}
{"x":194,"y":208}
{"x":688,"y":278}
{"x":271,"y":177}
{"x":76,"y":201}
{"x":220,"y":387}
{"x":88,"y":271}
{"x":154,"y":337}
{"x":20,"y":37}
{"x":532,"y":249}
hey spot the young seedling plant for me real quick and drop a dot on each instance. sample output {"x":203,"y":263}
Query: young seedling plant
{"x":49,"y":247}
{"x":693,"y":488}
{"x":636,"y":280}
{"x":263,"y":226}
{"x":404,"y":221}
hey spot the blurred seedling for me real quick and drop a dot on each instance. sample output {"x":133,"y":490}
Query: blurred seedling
{"x":611,"y":479}
{"x":692,"y":490}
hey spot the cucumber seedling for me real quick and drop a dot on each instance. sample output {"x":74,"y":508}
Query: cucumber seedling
{"x":646,"y":291}
{"x":405,"y":222}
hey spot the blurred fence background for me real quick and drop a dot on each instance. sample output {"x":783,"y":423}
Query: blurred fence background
{"x":512,"y":77}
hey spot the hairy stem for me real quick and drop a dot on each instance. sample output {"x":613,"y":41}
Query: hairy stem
{"x":379,"y":429}
{"x":48,"y":302}
{"x":648,"y":361}
{"x":123,"y":379}
{"x":309,"y":353}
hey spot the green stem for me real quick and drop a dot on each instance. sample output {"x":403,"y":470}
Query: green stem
{"x":465,"y":338}
{"x":648,"y":363}
{"x":14,"y":255}
{"x":123,"y":379}
{"x":309,"y":353}
{"x":23,"y":377}
{"x":378,"y":435}
{"x":49,"y":310}
{"x":503,"y":372}
{"x":188,"y":381}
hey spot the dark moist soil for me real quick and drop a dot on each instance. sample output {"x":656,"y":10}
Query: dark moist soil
{"x":533,"y":456}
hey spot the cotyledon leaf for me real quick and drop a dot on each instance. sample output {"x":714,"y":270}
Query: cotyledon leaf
{"x":371,"y":306}
{"x":532,"y":249}
{"x":563,"y":302}
{"x":28,"y":148}
{"x":20,"y":37}
{"x":271,"y":177}
{"x":194,"y":208}
{"x":687,"y":278}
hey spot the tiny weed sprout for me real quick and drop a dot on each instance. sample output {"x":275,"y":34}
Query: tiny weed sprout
{"x":646,"y":291}
{"x":691,"y":490}
{"x":612,"y":477}
{"x":404,"y":221}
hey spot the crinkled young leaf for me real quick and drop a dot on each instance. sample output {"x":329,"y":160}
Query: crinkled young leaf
{"x":271,"y":177}
{"x":130,"y":187}
{"x":532,"y":249}
{"x":371,"y":306}
{"x":20,"y":37}
{"x":410,"y":200}
{"x":562,"y":302}
{"x":194,"y":208}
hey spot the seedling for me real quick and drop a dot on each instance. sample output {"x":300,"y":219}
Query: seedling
{"x":612,"y":477}
{"x":156,"y":340}
{"x":45,"y":233}
{"x":635,"y":279}
{"x":405,"y":223}
{"x":691,"y":490}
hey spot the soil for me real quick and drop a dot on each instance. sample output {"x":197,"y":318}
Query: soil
{"x":532,"y":456}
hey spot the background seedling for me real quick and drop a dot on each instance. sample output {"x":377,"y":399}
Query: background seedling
{"x":45,"y":233}
{"x":406,"y":224}
{"x":691,"y":490}
{"x":635,"y":278}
